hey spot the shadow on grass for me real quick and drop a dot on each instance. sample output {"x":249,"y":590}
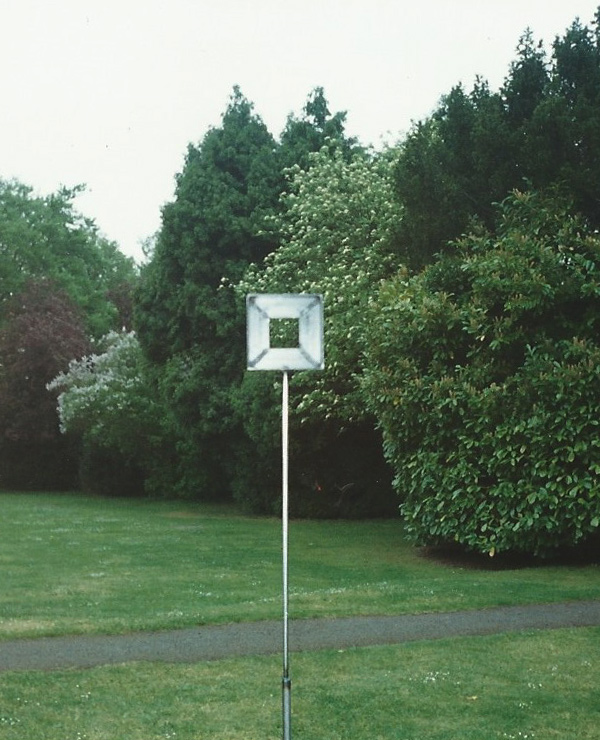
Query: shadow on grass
{"x":455,"y":556}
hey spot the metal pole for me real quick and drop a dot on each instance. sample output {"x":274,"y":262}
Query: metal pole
{"x":286,"y":681}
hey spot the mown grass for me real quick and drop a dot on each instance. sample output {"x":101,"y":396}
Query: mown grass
{"x":77,"y":564}
{"x":540,"y":685}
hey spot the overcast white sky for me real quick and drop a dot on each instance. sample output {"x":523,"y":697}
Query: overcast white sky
{"x":110,"y":92}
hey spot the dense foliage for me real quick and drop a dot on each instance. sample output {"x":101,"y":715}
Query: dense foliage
{"x":61,"y":283}
{"x":336,"y":228}
{"x":542,"y":126}
{"x":45,"y":237}
{"x":41,"y":331}
{"x":108,"y":400}
{"x":485,"y":375}
{"x":190,"y":330}
{"x":459,"y":272}
{"x":190,"y":325}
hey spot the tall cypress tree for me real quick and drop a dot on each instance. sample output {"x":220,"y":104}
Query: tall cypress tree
{"x":187,"y":319}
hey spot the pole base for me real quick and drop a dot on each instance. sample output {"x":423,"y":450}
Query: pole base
{"x":287,"y":707}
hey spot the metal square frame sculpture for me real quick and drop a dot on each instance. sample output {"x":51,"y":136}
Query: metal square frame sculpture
{"x":307,"y":308}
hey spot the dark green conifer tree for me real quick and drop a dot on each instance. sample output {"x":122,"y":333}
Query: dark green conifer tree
{"x":187,"y":318}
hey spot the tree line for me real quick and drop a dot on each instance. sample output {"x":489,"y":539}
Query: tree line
{"x":459,"y":275}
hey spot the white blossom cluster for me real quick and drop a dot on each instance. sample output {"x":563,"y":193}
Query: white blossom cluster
{"x":105,"y":395}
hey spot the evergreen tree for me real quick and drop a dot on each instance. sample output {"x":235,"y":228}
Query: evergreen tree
{"x":541,"y":128}
{"x":188,"y":321}
{"x":315,"y":128}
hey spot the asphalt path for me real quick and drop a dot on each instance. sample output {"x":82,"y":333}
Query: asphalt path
{"x":216,"y":642}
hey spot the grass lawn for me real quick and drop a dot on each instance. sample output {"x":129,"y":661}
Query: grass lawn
{"x":72,"y":563}
{"x":535,"y":685}
{"x":77,"y":564}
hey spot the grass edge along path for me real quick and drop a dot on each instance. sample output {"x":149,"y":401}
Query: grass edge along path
{"x":260,"y":638}
{"x":532,"y":685}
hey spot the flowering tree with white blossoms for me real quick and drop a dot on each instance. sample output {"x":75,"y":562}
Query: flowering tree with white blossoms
{"x":337,"y":225}
{"x":337,"y":231}
{"x":108,"y":399}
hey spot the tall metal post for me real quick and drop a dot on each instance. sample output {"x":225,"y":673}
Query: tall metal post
{"x":286,"y":681}
{"x":307,"y":308}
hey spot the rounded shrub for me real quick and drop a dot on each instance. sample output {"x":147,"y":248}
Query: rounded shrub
{"x":484,"y":374}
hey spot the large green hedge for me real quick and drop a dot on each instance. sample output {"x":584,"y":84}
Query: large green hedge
{"x":484,"y":371}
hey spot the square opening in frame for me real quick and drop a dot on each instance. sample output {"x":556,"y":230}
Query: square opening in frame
{"x":284,"y":333}
{"x":306,"y":309}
